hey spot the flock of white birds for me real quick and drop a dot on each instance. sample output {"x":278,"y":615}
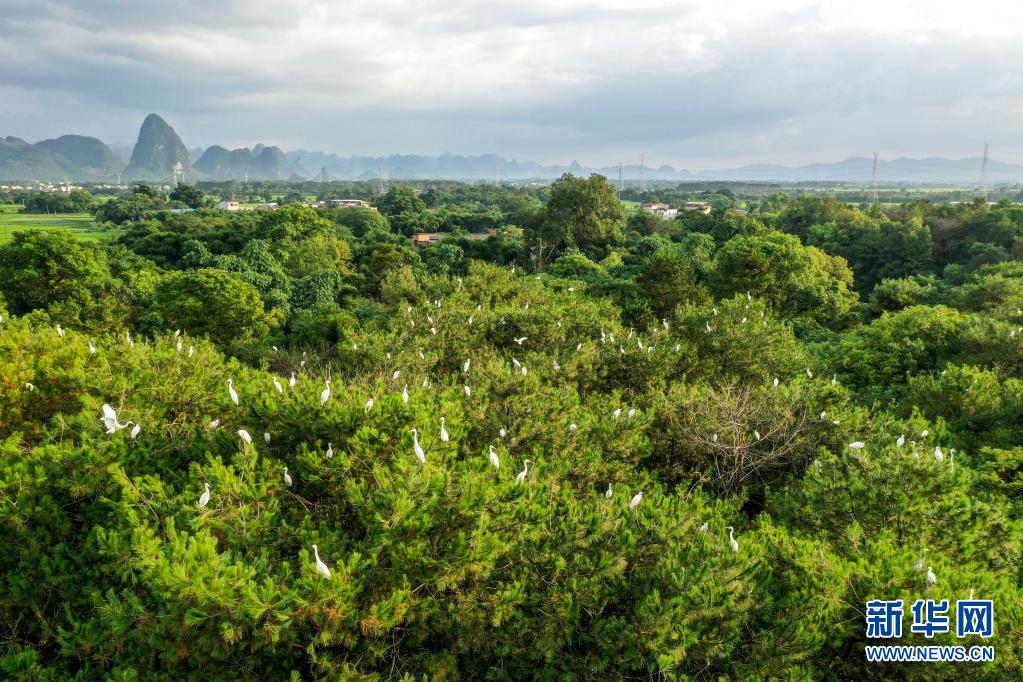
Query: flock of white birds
{"x":113,"y":425}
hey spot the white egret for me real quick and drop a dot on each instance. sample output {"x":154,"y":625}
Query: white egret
{"x":433,"y":330}
{"x":214,"y":424}
{"x":395,"y":374}
{"x":444,"y":436}
{"x":468,"y":391}
{"x":191,"y":351}
{"x":465,"y":366}
{"x":291,"y":380}
{"x":266,"y":437}
{"x":325,"y":393}
{"x":178,"y":345}
{"x":636,"y":499}
{"x":368,"y":406}
{"x":520,"y":340}
{"x":923,"y":434}
{"x":618,"y":413}
{"x":571,"y":288}
{"x":707,"y":327}
{"x":417,"y":448}
{"x":834,"y":379}
{"x":204,"y":499}
{"x":60,"y":332}
{"x":470,"y":320}
{"x":578,"y":347}
{"x":609,"y":493}
{"x":931,"y":578}
{"x":715,"y":311}
{"x":705,"y":526}
{"x":502,"y":433}
{"x":109,"y":417}
{"x":330,"y":451}
{"x":426,"y":382}
{"x":900,"y":441}
{"x":177,"y":333}
{"x":631,"y":413}
{"x":135,"y":431}
{"x":321,"y":567}
{"x":92,"y":348}
{"x":244,"y":435}
{"x":495,"y":461}
{"x":732,"y":541}
{"x":128,"y":337}
{"x":404,"y":394}
{"x":714,"y":438}
{"x":952,"y":460}
{"x":287,"y":477}
{"x":516,"y":362}
{"x":756,"y":434}
{"x":939,"y":456}
{"x":522,"y":474}
{"x":857,"y":445}
{"x":233,"y":393}
{"x":524,"y":370}
{"x":776,"y":382}
{"x":278,"y":385}
{"x":809,"y":374}
{"x":572,"y":427}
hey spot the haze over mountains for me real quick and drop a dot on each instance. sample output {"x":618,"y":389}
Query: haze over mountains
{"x":159,"y":152}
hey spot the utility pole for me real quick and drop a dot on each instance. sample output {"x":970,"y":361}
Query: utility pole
{"x":642,"y":177}
{"x":983,"y":172}
{"x":873,"y":180}
{"x":380,"y":178}
{"x":619,"y":181}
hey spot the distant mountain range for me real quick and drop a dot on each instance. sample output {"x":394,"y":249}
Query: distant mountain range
{"x":159,"y":151}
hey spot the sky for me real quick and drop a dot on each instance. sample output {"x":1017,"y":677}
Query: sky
{"x":700,"y":84}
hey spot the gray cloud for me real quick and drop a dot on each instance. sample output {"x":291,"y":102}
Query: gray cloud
{"x":692,"y":84}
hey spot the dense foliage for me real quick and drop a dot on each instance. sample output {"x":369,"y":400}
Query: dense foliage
{"x":719,"y":365}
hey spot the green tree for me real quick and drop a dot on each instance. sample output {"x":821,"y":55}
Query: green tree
{"x":581,"y":213}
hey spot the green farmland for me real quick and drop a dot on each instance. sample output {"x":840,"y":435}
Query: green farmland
{"x":80,"y":224}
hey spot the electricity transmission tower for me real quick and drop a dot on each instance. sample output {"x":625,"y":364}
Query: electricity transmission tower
{"x":873,"y":180}
{"x":983,"y":172}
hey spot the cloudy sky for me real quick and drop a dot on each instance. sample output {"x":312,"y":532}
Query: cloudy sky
{"x":699,"y":84}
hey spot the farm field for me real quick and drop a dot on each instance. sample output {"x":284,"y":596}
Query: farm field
{"x":80,"y":224}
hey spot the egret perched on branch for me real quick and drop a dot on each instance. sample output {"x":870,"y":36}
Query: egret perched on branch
{"x":417,"y":448}
{"x":465,"y":366}
{"x":939,"y":456}
{"x":495,"y":461}
{"x":60,"y":331}
{"x":705,"y":526}
{"x":636,"y":499}
{"x":931,"y":578}
{"x":404,"y":394}
{"x":520,"y":340}
{"x":501,"y":432}
{"x":266,"y":437}
{"x":321,"y":567}
{"x":468,"y":391}
{"x":900,"y":441}
{"x":330,"y":451}
{"x":522,"y":474}
{"x":732,"y":541}
{"x":244,"y":435}
{"x":572,"y":427}
{"x":231,"y":391}
{"x":368,"y":406}
{"x":857,"y":445}
{"x":325,"y":393}
{"x":178,"y":345}
{"x":776,"y":382}
{"x":609,"y":493}
{"x":92,"y":348}
{"x":291,"y":380}
{"x":809,"y":374}
{"x":278,"y":386}
{"x":395,"y":374}
{"x":191,"y":351}
{"x":135,"y":431}
{"x":923,"y":434}
{"x":287,"y":477}
{"x":109,"y":417}
{"x":204,"y":499}
{"x":618,"y":413}
{"x":444,"y":432}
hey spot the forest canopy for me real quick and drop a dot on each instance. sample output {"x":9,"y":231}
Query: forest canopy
{"x":570,"y":440}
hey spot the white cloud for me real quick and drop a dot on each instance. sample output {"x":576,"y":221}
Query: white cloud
{"x":693,"y":83}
